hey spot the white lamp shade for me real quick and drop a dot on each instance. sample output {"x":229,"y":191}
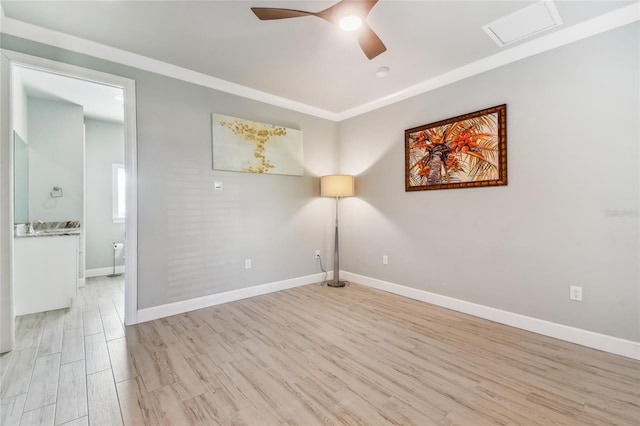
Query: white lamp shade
{"x":336,"y":186}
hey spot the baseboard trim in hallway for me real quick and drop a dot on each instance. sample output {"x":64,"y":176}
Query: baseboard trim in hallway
{"x":614,"y":345}
{"x":102,"y":272}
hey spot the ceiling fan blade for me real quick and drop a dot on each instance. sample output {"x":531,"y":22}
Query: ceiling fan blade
{"x":269,"y":13}
{"x":369,"y":41}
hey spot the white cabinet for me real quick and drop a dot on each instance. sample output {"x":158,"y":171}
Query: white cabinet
{"x":45,"y":270}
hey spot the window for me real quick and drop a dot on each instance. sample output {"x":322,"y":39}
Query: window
{"x":118,"y":193}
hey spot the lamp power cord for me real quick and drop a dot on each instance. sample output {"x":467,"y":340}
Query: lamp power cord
{"x":326,"y":274}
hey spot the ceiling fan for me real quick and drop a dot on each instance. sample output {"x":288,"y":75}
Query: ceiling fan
{"x":346,"y":14}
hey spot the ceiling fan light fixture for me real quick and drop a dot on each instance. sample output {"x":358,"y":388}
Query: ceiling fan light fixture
{"x":350,"y":23}
{"x":348,"y":15}
{"x":382,"y":72}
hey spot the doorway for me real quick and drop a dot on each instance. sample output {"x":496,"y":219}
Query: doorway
{"x":116,"y":89}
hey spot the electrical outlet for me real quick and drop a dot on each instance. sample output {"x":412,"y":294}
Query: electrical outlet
{"x":385,"y":260}
{"x":317,"y":254}
{"x":247,"y":264}
{"x":575,"y":293}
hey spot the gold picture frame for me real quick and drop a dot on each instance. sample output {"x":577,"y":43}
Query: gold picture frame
{"x":466,"y":151}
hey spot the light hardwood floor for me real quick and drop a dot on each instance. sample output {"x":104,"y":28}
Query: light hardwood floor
{"x":309,"y":355}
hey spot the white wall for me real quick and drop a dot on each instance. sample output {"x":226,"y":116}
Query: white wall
{"x":572,"y":137}
{"x":56,"y":158}
{"x":104,"y":146}
{"x":19,"y":107}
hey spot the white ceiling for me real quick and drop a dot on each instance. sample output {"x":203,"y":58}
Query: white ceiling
{"x":305,"y":60}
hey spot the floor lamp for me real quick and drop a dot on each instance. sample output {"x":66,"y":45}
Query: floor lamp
{"x":336,"y":186}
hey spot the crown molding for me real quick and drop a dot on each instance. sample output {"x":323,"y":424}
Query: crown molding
{"x":594,"y":26}
{"x":86,"y":47}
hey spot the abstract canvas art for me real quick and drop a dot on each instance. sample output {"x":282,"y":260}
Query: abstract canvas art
{"x":249,"y":146}
{"x":461,"y":152}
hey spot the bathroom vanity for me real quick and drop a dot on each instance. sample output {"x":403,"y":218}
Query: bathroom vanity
{"x":45,"y":269}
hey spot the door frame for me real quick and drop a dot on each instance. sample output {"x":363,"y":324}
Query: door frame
{"x":130,"y":159}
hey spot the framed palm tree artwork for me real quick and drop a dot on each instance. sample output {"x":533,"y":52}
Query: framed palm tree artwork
{"x":461,"y":152}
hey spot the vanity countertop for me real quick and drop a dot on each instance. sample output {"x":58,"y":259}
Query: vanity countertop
{"x":47,"y":229}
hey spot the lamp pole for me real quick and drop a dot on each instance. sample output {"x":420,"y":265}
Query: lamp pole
{"x":336,"y":256}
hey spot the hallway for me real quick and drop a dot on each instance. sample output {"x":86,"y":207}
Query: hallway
{"x":57,"y":353}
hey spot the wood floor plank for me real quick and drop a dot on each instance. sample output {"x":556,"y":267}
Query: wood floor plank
{"x":5,"y":359}
{"x":72,"y":393}
{"x":105,"y":306}
{"x":168,"y":404}
{"x":43,"y":389}
{"x":92,"y":322}
{"x":216,"y":408}
{"x":82,"y":421}
{"x":73,"y":318}
{"x":135,"y":403}
{"x":72,"y":345}
{"x":51,"y":340}
{"x":186,"y":381}
{"x":104,"y":408}
{"x":97,"y":354}
{"x":55,"y":318}
{"x":42,"y":416}
{"x":28,"y":331}
{"x":11,"y":410}
{"x":18,"y":375}
{"x":113,"y":328}
{"x":122,"y":362}
{"x":148,"y":367}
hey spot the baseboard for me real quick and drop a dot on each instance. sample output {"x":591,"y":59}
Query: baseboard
{"x":101,"y":272}
{"x":614,"y":345}
{"x":175,"y":308}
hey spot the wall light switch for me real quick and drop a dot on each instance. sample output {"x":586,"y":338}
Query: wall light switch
{"x":247,"y":264}
{"x":385,"y":260}
{"x":217,"y":186}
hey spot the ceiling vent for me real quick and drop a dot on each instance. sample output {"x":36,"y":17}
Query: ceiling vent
{"x":524,"y":23}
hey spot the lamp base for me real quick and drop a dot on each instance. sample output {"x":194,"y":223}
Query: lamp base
{"x":337,"y":283}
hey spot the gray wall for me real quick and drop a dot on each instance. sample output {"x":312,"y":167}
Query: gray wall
{"x":568,"y":216}
{"x":56,"y":158}
{"x":104,"y":146}
{"x":192,"y":240}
